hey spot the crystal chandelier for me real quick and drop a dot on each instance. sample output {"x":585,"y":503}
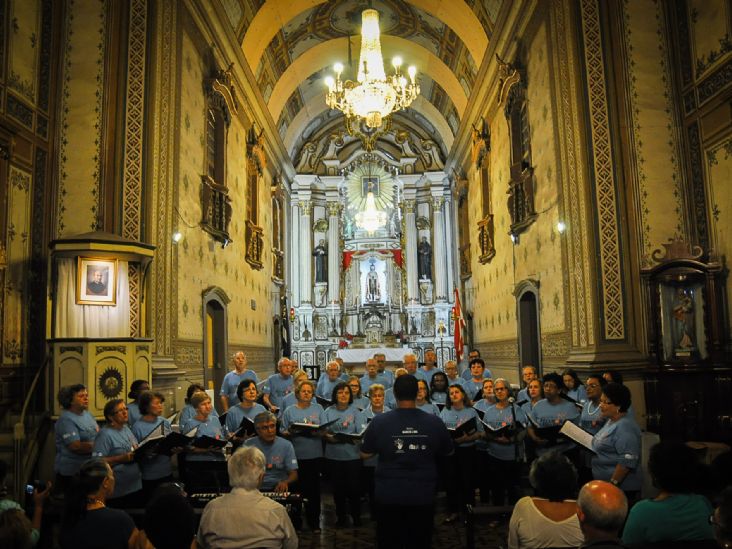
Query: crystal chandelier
{"x":373,"y":96}
{"x":370,"y":219}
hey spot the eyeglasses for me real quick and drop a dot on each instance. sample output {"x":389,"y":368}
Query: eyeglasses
{"x":592,"y":385}
{"x":267,"y":427}
{"x":500,"y":389}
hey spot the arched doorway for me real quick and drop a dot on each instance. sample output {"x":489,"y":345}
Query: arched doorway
{"x":529,"y":332}
{"x":215,"y":339}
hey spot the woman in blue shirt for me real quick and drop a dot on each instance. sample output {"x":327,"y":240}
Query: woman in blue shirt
{"x":116,"y":444}
{"x":617,"y":444}
{"x":438,"y":389}
{"x":551,"y":412}
{"x":248,"y":407}
{"x":156,"y":469}
{"x":423,"y":399}
{"x":202,"y":469}
{"x":308,"y":448}
{"x":573,"y":386}
{"x":504,"y":430}
{"x":75,"y":432}
{"x":591,"y":420}
{"x":189,"y":411}
{"x":460,"y":465}
{"x":137,"y":387}
{"x":343,"y":458}
{"x":359,"y":400}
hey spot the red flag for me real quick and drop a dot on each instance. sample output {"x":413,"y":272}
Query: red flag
{"x":457,"y":315}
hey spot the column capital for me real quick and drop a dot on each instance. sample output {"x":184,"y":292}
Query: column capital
{"x":334,"y":208}
{"x":306,"y":206}
{"x":410,"y":205}
{"x":437,"y":202}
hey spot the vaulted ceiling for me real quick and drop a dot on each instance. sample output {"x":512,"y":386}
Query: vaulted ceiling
{"x":291,"y":45}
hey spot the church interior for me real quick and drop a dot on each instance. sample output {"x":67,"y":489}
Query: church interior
{"x":547,"y":182}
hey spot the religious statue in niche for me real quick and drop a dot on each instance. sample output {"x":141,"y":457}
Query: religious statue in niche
{"x":681,"y":324}
{"x":373,"y":287}
{"x":683,"y":313}
{"x":424,"y":251}
{"x":321,"y":253}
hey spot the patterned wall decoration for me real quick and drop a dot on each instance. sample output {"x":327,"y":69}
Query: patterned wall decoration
{"x":79,"y":121}
{"x":605,"y":194}
{"x":331,"y":20}
{"x":209,"y":264}
{"x":23,"y":48}
{"x":719,"y":175}
{"x":660,"y":186}
{"x":535,"y":255}
{"x":18,"y":251}
{"x":710,"y":29}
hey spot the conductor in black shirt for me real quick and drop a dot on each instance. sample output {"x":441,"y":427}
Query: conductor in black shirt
{"x":408,"y":443}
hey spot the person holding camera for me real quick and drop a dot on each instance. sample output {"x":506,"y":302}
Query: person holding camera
{"x":13,"y":519}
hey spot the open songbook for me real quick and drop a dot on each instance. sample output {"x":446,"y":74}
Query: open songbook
{"x":467,"y":428}
{"x":551,"y":434}
{"x":349,"y":438}
{"x":579,"y":435}
{"x":208,"y":443}
{"x":245,"y":429}
{"x":308,"y":429}
{"x":157,"y":442}
{"x":509,"y":431}
{"x":324,"y":402}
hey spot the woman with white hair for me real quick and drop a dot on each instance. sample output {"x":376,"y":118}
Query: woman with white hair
{"x":267,"y":522}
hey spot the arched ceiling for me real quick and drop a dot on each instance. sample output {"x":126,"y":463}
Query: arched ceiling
{"x":291,"y":46}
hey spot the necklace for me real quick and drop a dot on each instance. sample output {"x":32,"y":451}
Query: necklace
{"x":589,"y":409}
{"x":95,"y":501}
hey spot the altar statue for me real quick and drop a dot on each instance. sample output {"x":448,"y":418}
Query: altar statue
{"x":373,"y":287}
{"x":320,"y":252}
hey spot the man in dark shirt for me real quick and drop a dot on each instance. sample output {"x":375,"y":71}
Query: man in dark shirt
{"x":96,"y":286}
{"x":601,"y":510}
{"x":408,"y":443}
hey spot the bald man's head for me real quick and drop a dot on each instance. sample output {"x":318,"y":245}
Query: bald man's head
{"x":601,"y":509}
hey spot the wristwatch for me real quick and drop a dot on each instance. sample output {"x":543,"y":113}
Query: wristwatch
{"x":614,"y":482}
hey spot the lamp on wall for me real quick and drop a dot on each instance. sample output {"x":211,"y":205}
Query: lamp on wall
{"x":373,"y":96}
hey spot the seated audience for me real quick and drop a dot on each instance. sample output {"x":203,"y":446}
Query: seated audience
{"x":87,"y":522}
{"x":676,"y":513}
{"x":601,"y":510}
{"x":549,"y":518}
{"x":245,"y":518}
{"x":12,"y":527}
{"x":170,"y":523}
{"x":722,"y":519}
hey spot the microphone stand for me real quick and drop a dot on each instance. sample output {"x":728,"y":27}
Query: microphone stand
{"x":511,"y":400}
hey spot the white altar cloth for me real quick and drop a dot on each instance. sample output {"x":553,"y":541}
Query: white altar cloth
{"x":392,"y":354}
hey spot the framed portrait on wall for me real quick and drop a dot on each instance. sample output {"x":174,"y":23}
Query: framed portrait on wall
{"x":370,"y":184}
{"x":96,"y":281}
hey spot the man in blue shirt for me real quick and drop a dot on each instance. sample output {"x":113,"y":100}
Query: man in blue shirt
{"x":408,"y":443}
{"x":278,"y":385}
{"x":328,"y":380}
{"x":466,"y":374}
{"x":233,"y":379}
{"x":385,"y":374}
{"x":281,"y":468}
{"x":430,"y":366}
{"x":528,"y":374}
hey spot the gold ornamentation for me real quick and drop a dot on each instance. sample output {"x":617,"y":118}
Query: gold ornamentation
{"x":306,"y":207}
{"x":486,"y":239}
{"x":481,"y":143}
{"x":605,"y":195}
{"x":255,"y":245}
{"x":677,"y":248}
{"x":507,"y":77}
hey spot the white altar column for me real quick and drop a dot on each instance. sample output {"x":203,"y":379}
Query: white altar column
{"x":439,"y":249}
{"x":295,"y":253}
{"x":305,"y":259}
{"x":334,"y":260}
{"x":452,"y":258}
{"x":410,"y":257}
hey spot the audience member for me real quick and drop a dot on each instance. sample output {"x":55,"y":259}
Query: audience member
{"x":601,"y":510}
{"x":676,"y":513}
{"x":169,"y":523}
{"x":87,"y":522}
{"x":12,"y":526}
{"x":16,"y":531}
{"x":722,"y":519}
{"x":549,"y":518}
{"x":281,"y":468}
{"x":244,"y":517}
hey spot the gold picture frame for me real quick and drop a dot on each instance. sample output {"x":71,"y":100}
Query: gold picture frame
{"x":96,"y":281}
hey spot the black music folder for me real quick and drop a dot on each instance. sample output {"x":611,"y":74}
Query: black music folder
{"x":349,"y":438}
{"x":208,"y":443}
{"x":467,"y":428}
{"x":508,"y":431}
{"x":324,"y":402}
{"x":157,"y":443}
{"x":551,"y":434}
{"x":245,"y":429}
{"x":308,"y":429}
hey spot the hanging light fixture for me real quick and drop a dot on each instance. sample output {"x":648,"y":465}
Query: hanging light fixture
{"x":374,"y":96}
{"x":371,"y":219}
